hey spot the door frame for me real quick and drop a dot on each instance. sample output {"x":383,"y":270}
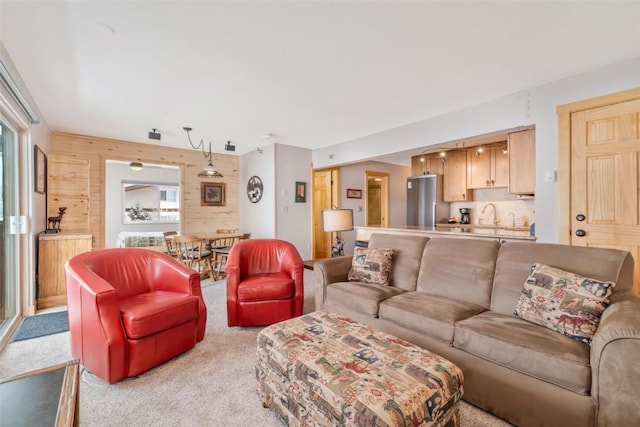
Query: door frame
{"x":564,"y":151}
{"x":334,"y":203}
{"x":384,"y":196}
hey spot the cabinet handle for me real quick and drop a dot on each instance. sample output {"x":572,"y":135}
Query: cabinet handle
{"x":487,"y":183}
{"x":581,"y":233}
{"x":493,"y":182}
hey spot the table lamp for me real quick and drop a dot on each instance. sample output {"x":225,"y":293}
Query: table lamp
{"x":337,"y":220}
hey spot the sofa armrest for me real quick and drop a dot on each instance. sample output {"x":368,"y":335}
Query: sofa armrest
{"x":614,"y":363}
{"x":327,"y":271}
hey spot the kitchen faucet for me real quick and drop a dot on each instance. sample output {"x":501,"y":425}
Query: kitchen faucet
{"x":495,"y":212}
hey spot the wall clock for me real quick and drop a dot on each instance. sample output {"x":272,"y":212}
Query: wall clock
{"x":254,"y":189}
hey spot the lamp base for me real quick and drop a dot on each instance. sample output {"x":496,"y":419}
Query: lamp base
{"x":337,"y":249}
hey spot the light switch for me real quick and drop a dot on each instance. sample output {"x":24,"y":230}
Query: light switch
{"x":550,"y":176}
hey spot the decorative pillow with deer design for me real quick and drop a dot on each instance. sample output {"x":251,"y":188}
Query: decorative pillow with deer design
{"x":563,"y":301}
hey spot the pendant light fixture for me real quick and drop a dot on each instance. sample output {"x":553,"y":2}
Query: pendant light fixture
{"x":209,"y":171}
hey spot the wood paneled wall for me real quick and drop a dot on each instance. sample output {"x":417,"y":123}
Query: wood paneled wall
{"x":195,"y":219}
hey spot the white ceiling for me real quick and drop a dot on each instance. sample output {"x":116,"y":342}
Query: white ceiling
{"x":313,"y":74}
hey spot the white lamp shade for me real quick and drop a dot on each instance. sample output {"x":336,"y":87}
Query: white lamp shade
{"x":337,"y":219}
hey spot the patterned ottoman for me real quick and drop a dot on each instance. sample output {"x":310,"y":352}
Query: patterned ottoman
{"x":324,"y":369}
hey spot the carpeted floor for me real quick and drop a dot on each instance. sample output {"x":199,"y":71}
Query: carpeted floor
{"x":41,"y":325}
{"x":210,"y":385}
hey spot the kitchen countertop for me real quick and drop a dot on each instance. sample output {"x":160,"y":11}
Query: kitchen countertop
{"x":467,"y":230}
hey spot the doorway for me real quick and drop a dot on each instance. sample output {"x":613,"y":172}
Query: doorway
{"x":599,"y":147}
{"x":325,"y":196}
{"x":377,"y":199}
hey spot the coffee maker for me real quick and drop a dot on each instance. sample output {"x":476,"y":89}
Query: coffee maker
{"x":465,"y":215}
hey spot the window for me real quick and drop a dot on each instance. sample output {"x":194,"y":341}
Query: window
{"x":146,"y":202}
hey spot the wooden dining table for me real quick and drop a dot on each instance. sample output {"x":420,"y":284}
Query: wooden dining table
{"x":220,"y":244}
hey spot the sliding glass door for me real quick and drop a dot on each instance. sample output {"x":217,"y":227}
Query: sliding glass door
{"x":9,"y":237}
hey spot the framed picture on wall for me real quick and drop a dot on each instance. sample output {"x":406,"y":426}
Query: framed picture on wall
{"x":212,"y":194}
{"x":354,"y":194}
{"x":40,"y":170}
{"x":301,"y":192}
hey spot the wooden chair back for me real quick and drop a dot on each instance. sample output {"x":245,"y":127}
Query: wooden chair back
{"x":191,"y":252}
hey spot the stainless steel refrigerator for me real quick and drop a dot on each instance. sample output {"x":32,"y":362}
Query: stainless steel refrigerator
{"x":425,"y":207}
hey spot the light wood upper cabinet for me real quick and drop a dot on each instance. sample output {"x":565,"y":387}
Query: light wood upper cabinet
{"x":455,"y":177}
{"x":429,"y":164}
{"x":522,"y":162}
{"x":488,"y":168}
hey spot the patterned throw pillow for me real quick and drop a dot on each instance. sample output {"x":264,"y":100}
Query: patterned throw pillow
{"x":371,"y":265}
{"x":564,"y":302}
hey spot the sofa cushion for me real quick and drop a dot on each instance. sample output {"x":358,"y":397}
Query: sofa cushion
{"x":358,"y":296}
{"x":152,"y":312}
{"x":563,"y":301}
{"x":515,"y":260}
{"x":527,"y":348}
{"x":407,"y":254}
{"x":371,"y":265}
{"x":428,"y":314}
{"x":459,"y":268}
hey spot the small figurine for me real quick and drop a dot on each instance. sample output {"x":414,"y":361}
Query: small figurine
{"x":53,"y":222}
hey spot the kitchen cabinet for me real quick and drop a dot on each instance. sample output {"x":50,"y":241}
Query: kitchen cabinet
{"x":427,"y":164}
{"x":53,"y":251}
{"x":455,"y":177}
{"x":488,"y":168}
{"x":522,"y":162}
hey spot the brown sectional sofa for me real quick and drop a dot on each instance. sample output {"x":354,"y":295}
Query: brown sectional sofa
{"x":456,"y":297}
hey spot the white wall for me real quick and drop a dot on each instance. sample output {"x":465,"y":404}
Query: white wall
{"x":353,"y":176}
{"x":115,"y":173}
{"x":536,"y":106}
{"x":259,"y":218}
{"x":293,"y":219}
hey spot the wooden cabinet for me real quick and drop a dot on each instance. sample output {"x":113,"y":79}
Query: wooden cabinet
{"x":53,"y":251}
{"x":522,"y":162}
{"x":489,"y":167}
{"x":455,"y":177}
{"x":427,"y":164}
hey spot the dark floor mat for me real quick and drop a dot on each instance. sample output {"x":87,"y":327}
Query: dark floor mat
{"x":42,"y":324}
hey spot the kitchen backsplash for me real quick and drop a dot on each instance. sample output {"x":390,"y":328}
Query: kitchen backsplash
{"x":505,"y":203}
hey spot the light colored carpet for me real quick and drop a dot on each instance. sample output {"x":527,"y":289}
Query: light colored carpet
{"x":210,"y":385}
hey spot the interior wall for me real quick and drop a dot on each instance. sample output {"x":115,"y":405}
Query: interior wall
{"x":536,"y":106}
{"x":196,"y":219}
{"x":293,"y":219}
{"x":114,"y":217}
{"x":353,"y":176}
{"x":259,"y":218}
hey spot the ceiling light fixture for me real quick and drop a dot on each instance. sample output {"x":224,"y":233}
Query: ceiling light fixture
{"x":209,"y":171}
{"x":135,"y":166}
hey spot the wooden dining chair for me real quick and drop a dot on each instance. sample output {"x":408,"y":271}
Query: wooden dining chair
{"x":221,"y":248}
{"x":191,"y":252}
{"x":168,"y":240}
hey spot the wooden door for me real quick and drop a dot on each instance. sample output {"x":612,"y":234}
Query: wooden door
{"x":324,"y":197}
{"x":605,"y":169}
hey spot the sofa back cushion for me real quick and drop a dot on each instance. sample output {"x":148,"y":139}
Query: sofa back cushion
{"x":407,"y":254}
{"x":515,"y":260}
{"x":459,"y":268}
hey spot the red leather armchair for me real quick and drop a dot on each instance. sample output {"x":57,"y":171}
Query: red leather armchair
{"x":131,"y":309}
{"x":264,"y":282}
